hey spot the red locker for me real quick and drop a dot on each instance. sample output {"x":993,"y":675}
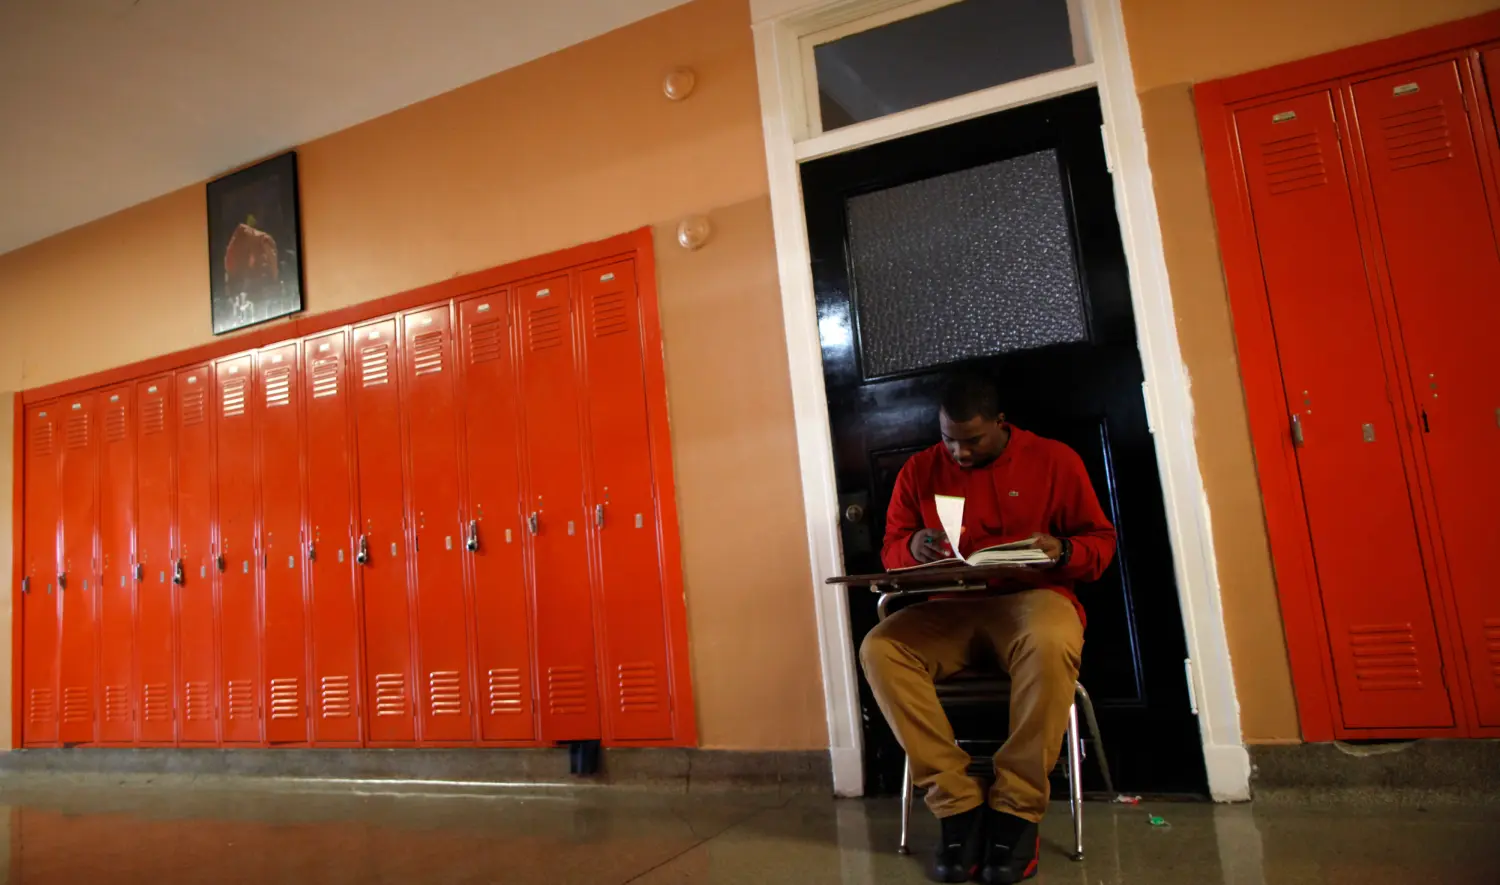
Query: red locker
{"x":501,"y":614}
{"x":279,"y":425}
{"x":1439,"y":241}
{"x":117,"y":584}
{"x":445,"y":679}
{"x":78,"y":584}
{"x":632,"y":618}
{"x":330,"y":552}
{"x":566,"y":666}
{"x":39,"y":606}
{"x":155,"y":624}
{"x":1378,"y":611}
{"x":238,"y":557}
{"x":381,"y":544}
{"x":193,"y":563}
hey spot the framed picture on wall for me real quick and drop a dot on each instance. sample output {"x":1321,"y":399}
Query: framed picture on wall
{"x":254,"y":245}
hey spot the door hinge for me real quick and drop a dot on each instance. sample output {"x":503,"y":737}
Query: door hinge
{"x":1187,"y":666}
{"x":1146,"y":396}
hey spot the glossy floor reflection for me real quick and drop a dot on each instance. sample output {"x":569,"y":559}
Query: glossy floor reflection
{"x":101,"y":833}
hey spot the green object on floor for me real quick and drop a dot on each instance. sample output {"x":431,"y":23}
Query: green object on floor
{"x":1158,"y":821}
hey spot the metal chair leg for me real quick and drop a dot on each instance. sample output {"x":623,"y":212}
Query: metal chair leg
{"x":906,"y":808}
{"x":1075,"y":780}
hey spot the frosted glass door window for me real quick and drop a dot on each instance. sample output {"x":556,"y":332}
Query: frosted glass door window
{"x":964,"y":265}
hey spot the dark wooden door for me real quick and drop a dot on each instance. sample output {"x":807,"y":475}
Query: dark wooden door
{"x":993,"y":244}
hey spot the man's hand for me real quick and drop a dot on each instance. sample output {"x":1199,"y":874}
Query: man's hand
{"x":927,"y":545}
{"x":1049,"y":545}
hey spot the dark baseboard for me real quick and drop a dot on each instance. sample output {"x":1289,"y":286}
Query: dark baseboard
{"x":670,"y":769}
{"x":1405,"y":771}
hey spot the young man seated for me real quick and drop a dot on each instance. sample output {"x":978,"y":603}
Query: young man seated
{"x":1016,"y":485}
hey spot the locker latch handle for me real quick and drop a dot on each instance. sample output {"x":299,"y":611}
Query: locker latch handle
{"x":599,"y":515}
{"x":62,"y":580}
{"x":1297,"y":437}
{"x":533,"y":522}
{"x":179,"y":574}
{"x":26,"y":584}
{"x":472,"y":542}
{"x":140,"y":572}
{"x":312,"y":551}
{"x":219,"y":561}
{"x":362,"y":553}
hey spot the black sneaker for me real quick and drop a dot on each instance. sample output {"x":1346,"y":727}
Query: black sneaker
{"x":1011,"y":849}
{"x":957,"y":856}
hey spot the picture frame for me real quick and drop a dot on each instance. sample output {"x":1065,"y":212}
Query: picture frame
{"x":255,"y":244}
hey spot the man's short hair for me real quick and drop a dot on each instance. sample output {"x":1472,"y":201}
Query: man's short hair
{"x":968,"y":396}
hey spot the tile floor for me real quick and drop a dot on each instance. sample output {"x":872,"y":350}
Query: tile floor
{"x":99,"y":831}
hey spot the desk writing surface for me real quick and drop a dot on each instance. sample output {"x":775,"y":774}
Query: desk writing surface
{"x":940,"y":575}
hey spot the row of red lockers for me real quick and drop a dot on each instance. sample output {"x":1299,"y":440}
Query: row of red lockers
{"x":438,"y":528}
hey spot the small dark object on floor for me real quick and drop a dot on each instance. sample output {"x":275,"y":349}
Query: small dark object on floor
{"x":583,"y":758}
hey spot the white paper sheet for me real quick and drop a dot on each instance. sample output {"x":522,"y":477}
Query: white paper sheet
{"x":951,"y":515}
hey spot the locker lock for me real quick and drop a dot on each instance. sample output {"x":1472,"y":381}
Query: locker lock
{"x":62,"y":580}
{"x":533,"y":522}
{"x":312,"y":551}
{"x":179,"y":574}
{"x":140,"y":572}
{"x":362,"y":555}
{"x":472,"y":541}
{"x":599,"y":516}
{"x":26,"y":584}
{"x":219,"y":561}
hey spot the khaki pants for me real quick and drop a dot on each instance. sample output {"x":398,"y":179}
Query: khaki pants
{"x":1036,"y":637}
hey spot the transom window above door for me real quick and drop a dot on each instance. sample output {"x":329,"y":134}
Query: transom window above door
{"x":917,"y":53}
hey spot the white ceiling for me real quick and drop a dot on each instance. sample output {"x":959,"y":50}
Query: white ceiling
{"x":108,"y":103}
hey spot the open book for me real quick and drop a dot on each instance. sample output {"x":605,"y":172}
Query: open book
{"x":951,"y":514}
{"x":1012,"y":553}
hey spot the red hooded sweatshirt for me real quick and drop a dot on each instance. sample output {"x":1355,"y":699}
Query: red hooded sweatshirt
{"x":1036,"y":485}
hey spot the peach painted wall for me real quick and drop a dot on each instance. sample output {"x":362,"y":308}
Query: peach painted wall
{"x":1173,"y":45}
{"x":573,"y":147}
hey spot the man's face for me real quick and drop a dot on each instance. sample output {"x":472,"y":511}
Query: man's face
{"x":975,"y":442}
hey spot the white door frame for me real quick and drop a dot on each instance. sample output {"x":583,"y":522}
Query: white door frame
{"x":778,"y":25}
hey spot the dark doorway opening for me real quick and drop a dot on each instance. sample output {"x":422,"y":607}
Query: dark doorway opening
{"x":994,"y":244}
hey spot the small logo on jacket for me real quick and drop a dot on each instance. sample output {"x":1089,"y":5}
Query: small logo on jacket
{"x":1014,"y":493}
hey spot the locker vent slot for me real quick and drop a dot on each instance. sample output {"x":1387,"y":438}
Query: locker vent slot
{"x":638,"y":690}
{"x":566,"y":691}
{"x":325,"y":377}
{"x":427,"y":353}
{"x":334,"y":698}
{"x":153,"y":416}
{"x":374,"y":364}
{"x":1294,"y":163}
{"x":505,"y":692}
{"x":156,"y":702}
{"x":241,"y":699}
{"x":116,"y":703}
{"x":1417,"y":136}
{"x":234,"y":396}
{"x":78,"y":430}
{"x":1492,"y":645}
{"x":609,"y":314}
{"x":484,"y":341}
{"x":1385,"y":657}
{"x":77,"y":705}
{"x":286,"y":699}
{"x":196,"y":706}
{"x":278,"y":386}
{"x":40,"y":706}
{"x":544,"y":328}
{"x":114,"y":423}
{"x":192,"y":406}
{"x":443,"y":693}
{"x":41,"y":438}
{"x":390,"y":694}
